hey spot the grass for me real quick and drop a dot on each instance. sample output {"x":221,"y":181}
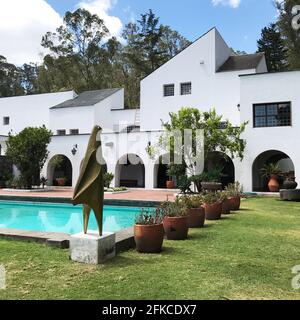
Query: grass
{"x":248,"y":255}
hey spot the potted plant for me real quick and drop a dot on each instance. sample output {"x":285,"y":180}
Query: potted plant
{"x":271,"y":171}
{"x":195,"y":211}
{"x":149,"y":232}
{"x":108,"y":177}
{"x":213,"y":205}
{"x":234,"y":193}
{"x":226,"y":204}
{"x":175,"y":220}
{"x":43,"y":181}
{"x":61,"y":181}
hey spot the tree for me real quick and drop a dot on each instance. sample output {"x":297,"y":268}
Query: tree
{"x":291,"y":37}
{"x":28,"y":152}
{"x":143,"y":49}
{"x":219,"y":136}
{"x":77,"y":45}
{"x":272,"y":44}
{"x":10,"y":79}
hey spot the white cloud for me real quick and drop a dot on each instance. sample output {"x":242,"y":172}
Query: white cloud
{"x":231,"y":3}
{"x":102,"y":8}
{"x":22,"y":25}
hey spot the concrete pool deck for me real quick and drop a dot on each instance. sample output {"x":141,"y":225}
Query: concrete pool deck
{"x":124,"y":238}
{"x":135,"y":197}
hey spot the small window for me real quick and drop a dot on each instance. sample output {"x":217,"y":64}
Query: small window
{"x":74,"y":131}
{"x":186,"y":88}
{"x":272,"y":115}
{"x":61,"y":132}
{"x":169,"y":90}
{"x":5,"y":121}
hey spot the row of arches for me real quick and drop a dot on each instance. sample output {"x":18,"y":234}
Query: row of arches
{"x":130,"y":170}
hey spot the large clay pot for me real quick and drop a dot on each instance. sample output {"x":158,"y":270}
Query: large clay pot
{"x":289,"y":185}
{"x":176,"y":228}
{"x":213,"y":211}
{"x":149,"y":238}
{"x":196,"y":218}
{"x":273,"y":184}
{"x":235,"y":203}
{"x":170,"y":184}
{"x":226,"y":207}
{"x":61,"y":181}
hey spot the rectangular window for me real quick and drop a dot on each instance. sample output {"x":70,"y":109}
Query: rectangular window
{"x":272,"y":115}
{"x":169,"y":90}
{"x":186,"y":88}
{"x":61,"y":132}
{"x":74,"y":131}
{"x":5,"y":121}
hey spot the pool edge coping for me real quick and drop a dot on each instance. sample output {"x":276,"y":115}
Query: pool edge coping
{"x":66,"y":200}
{"x":124,"y":238}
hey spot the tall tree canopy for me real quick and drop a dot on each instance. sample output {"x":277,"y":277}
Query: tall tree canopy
{"x":82,"y":56}
{"x":272,"y":44}
{"x":291,"y":36}
{"x":10,"y":79}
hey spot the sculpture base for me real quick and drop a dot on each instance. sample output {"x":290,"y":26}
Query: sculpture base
{"x":90,"y":248}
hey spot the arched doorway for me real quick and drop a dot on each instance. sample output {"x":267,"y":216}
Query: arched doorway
{"x":59,"y":167}
{"x":224,"y":163}
{"x":285,"y":163}
{"x":161,"y":172}
{"x":130,"y":172}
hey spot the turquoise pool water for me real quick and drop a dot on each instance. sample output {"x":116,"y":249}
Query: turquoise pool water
{"x":54,"y":217}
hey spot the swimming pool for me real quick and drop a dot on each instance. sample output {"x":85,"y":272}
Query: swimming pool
{"x":54,"y":217}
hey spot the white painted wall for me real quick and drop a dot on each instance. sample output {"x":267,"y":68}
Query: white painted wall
{"x":81,"y":118}
{"x":209,"y":89}
{"x":267,"y":88}
{"x":30,"y":110}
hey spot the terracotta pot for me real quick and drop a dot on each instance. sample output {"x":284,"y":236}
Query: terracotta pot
{"x":273,"y":184}
{"x":176,"y":228}
{"x":235,"y":203}
{"x":226,"y":207}
{"x":61,"y":182}
{"x":149,"y":238}
{"x":170,"y":184}
{"x":196,"y":218}
{"x":213,"y":211}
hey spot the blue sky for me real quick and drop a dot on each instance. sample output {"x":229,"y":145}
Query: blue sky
{"x":239,"y":26}
{"x":23,"y":23}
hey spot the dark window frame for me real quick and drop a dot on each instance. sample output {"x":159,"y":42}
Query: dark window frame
{"x":74,"y":132}
{"x":164,"y":90}
{"x":184,"y":84}
{"x":6,"y":121}
{"x":61,"y":132}
{"x":266,"y":116}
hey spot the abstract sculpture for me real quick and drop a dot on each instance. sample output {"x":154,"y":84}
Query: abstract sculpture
{"x":89,"y":189}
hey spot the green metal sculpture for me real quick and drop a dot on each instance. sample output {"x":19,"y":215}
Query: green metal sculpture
{"x":89,"y":189}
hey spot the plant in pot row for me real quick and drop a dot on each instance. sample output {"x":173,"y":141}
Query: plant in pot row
{"x":169,"y":219}
{"x":213,"y":204}
{"x":195,"y":210}
{"x":149,"y":232}
{"x":175,"y":219}
{"x":234,"y":193}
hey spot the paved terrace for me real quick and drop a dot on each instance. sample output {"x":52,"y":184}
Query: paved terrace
{"x":133,"y":194}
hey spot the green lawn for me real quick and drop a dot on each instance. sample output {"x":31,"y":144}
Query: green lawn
{"x":248,"y":255}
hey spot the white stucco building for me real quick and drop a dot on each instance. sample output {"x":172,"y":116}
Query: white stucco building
{"x":205,"y":75}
